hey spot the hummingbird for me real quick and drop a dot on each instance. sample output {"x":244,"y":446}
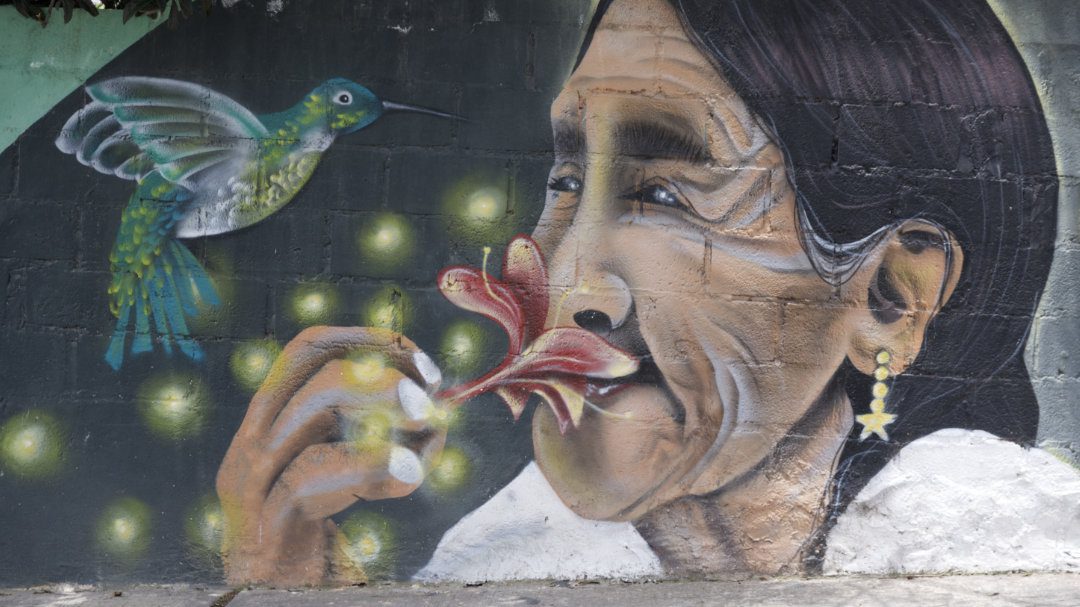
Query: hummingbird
{"x":203,"y":165}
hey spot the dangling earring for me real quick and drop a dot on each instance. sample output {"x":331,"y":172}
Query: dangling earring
{"x":875,"y":421}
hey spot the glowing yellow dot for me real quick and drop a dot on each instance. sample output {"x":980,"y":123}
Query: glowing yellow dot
{"x":388,"y":309}
{"x":173,"y":406}
{"x":450,"y":470}
{"x":478,"y":210}
{"x":386,"y":316}
{"x":371,"y":431}
{"x":313,"y":304}
{"x":877,"y":405}
{"x":881,"y":373}
{"x":30,"y":444}
{"x":367,"y":369}
{"x":486,"y":204}
{"x":386,"y":241}
{"x":883,"y":358}
{"x":461,"y":346}
{"x":251,"y":362}
{"x":367,"y":548}
{"x":368,"y":542}
{"x":122,"y":528}
{"x":205,"y":524}
{"x":880,"y":390}
{"x":387,"y":237}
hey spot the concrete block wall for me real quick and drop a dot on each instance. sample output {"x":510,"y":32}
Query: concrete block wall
{"x":142,"y":474}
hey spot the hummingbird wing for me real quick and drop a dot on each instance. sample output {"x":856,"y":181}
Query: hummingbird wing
{"x":135,"y":125}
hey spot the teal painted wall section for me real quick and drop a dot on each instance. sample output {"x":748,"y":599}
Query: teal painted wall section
{"x":39,"y":66}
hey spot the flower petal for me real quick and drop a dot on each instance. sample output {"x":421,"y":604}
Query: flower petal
{"x":515,"y":397}
{"x":573,"y":351}
{"x":525,"y":273}
{"x":567,"y":403}
{"x":470,"y":289}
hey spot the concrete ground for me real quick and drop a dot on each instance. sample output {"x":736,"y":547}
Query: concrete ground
{"x":1042,"y":590}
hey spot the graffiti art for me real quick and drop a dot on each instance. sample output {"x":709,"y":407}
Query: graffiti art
{"x":750,"y":288}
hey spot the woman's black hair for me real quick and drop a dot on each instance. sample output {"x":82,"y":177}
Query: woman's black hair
{"x":889,"y":110}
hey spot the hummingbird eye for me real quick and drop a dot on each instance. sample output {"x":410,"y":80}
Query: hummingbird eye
{"x":343,"y":98}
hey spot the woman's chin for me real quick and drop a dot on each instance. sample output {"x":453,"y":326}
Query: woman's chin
{"x":610,"y":465}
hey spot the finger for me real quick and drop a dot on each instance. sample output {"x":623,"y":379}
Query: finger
{"x":331,"y":398}
{"x":244,"y":472}
{"x":327,"y":478}
{"x":340,"y":396}
{"x":307,"y":353}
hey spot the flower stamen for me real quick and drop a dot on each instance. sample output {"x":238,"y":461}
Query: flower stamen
{"x":484,"y":273}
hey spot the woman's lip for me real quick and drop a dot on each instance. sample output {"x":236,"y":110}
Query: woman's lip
{"x":599,"y":390}
{"x":602,"y":392}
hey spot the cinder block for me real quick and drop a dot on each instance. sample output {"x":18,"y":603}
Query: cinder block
{"x":45,"y":231}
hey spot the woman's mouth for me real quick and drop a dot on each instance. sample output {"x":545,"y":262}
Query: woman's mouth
{"x":647,"y":374}
{"x":604,"y":393}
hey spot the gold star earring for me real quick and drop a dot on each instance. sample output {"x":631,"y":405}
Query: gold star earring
{"x":875,"y":421}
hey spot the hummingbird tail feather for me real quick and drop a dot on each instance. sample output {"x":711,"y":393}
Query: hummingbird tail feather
{"x":159,"y":297}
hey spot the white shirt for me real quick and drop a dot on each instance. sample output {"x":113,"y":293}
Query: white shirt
{"x":955,"y":500}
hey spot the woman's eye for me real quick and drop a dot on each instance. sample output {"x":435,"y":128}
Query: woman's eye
{"x":656,"y":194}
{"x":566,"y":183}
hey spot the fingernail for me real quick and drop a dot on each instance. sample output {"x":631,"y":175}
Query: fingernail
{"x":427,"y":368}
{"x":405,"y":465}
{"x":413,"y":399}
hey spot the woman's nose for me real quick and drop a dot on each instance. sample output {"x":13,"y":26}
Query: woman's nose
{"x":601,"y":303}
{"x":594,"y":321}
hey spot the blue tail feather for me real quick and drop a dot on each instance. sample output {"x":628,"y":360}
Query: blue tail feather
{"x":115,"y":354}
{"x":158,"y":296}
{"x":176,"y":315}
{"x":162,"y":302}
{"x":203,"y":288}
{"x":142,"y":342}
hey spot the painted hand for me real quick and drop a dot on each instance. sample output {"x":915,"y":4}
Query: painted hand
{"x":345,"y":414}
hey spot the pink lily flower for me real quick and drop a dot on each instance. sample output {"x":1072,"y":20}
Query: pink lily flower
{"x":556,"y":363}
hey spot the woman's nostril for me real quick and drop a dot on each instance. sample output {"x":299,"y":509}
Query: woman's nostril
{"x":593,"y":320}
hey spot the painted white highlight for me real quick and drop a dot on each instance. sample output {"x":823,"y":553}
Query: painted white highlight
{"x":66,"y":601}
{"x":414,"y":400}
{"x":405,"y":465}
{"x":962,"y":501}
{"x":427,"y":368}
{"x":526,"y":532}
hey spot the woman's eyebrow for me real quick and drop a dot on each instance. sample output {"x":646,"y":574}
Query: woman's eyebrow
{"x":647,"y":139}
{"x":658,"y":140}
{"x":569,"y":139}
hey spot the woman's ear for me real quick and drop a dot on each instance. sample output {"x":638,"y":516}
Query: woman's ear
{"x":904,"y":281}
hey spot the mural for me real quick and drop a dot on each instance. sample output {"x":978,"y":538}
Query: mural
{"x":745,"y":290}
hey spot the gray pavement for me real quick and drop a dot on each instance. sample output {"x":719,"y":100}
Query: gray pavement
{"x":1040,"y":590}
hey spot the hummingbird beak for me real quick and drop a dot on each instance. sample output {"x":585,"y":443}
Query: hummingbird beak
{"x":390,"y":106}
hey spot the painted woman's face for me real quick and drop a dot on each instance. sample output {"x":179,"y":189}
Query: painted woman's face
{"x":670,"y":229}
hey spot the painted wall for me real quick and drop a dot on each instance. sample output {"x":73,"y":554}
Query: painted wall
{"x":311,"y":292}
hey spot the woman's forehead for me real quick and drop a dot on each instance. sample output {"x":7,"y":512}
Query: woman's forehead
{"x":641,"y":74}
